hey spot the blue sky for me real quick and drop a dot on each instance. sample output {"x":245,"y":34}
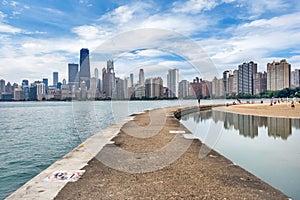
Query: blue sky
{"x":39,"y":37}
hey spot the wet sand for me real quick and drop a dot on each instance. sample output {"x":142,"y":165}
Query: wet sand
{"x":189,"y":177}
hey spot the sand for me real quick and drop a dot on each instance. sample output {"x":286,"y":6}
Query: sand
{"x":189,"y":177}
{"x":277,"y":110}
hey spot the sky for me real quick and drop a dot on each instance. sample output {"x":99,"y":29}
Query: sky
{"x":40,"y":37}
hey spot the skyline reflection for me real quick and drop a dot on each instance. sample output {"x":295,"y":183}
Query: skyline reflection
{"x":247,"y":125}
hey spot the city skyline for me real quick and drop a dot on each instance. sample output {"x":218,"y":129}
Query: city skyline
{"x":35,"y":43}
{"x":243,"y":80}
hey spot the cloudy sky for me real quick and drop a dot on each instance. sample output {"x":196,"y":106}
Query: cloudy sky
{"x":39,"y":37}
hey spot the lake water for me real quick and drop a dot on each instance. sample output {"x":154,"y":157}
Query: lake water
{"x":33,"y":135}
{"x":267,"y":147}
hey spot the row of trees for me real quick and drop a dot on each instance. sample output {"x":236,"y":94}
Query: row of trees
{"x":284,"y":93}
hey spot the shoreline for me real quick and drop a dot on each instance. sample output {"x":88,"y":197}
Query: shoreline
{"x":213,"y":176}
{"x":282,"y":110}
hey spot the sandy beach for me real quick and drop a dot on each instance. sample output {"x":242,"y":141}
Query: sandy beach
{"x":283,"y":110}
{"x":189,"y":177}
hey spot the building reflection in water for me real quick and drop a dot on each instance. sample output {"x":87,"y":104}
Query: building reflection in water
{"x":248,"y":125}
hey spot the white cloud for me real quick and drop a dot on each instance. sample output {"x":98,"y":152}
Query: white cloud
{"x":88,"y":32}
{"x":5,"y":28}
{"x":183,"y":24}
{"x":125,"y":13}
{"x":4,"y":2}
{"x":14,"y":3}
{"x":194,"y":6}
{"x":228,"y":1}
{"x":2,"y":15}
{"x":256,"y":9}
{"x":34,"y":58}
{"x":258,"y":40}
{"x":120,"y":15}
{"x":53,"y":11}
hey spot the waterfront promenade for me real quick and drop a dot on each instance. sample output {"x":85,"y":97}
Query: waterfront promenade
{"x":188,"y":177}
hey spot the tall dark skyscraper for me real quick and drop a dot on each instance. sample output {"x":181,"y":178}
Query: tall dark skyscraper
{"x":245,"y":77}
{"x":131,"y":80}
{"x":85,"y":72}
{"x":2,"y":86}
{"x":45,"y":81}
{"x":73,"y":74}
{"x":25,"y":83}
{"x":141,"y":77}
{"x":55,"y":78}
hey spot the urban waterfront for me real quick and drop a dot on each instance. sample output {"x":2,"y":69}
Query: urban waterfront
{"x":36,"y":134}
{"x":267,"y":147}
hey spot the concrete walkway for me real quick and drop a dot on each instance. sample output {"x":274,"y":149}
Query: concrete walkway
{"x":149,"y":161}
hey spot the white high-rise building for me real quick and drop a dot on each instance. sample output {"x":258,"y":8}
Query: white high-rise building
{"x":127,"y":84}
{"x":154,"y":87}
{"x":172,"y":82}
{"x":183,"y":89}
{"x":295,"y":78}
{"x":96,"y":73}
{"x":108,"y":79}
{"x":40,"y":90}
{"x":278,"y":75}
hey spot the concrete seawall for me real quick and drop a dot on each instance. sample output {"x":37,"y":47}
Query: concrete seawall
{"x":38,"y":188}
{"x":191,"y":109}
{"x":188,"y":177}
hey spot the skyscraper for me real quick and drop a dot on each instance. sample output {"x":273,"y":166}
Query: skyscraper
{"x":217,"y":87}
{"x":183,"y":91}
{"x":172,"y":82}
{"x":295,"y":78}
{"x":278,"y":75}
{"x":45,"y":81}
{"x":131,"y":79}
{"x":154,"y":87}
{"x":85,"y":73}
{"x":96,"y":73}
{"x":259,"y":82}
{"x":25,"y":83}
{"x":108,"y":78}
{"x":73,"y":74}
{"x":119,"y":92}
{"x":55,"y":78}
{"x":2,"y":86}
{"x":245,"y":77}
{"x":25,"y":90}
{"x":40,"y":90}
{"x":226,"y":75}
{"x":141,"y":77}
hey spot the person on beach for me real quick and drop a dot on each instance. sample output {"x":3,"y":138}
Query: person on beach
{"x":292,"y":104}
{"x":199,"y":102}
{"x":272,"y":101}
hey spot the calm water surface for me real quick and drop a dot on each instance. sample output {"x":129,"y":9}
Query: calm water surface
{"x":267,"y":147}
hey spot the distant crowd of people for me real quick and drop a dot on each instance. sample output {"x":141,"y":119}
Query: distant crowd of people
{"x":274,"y":101}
